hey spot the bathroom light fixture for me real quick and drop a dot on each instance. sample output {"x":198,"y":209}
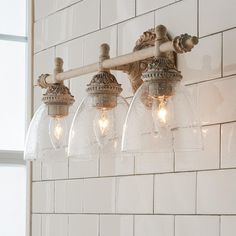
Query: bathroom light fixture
{"x":50,"y":125}
{"x":161,"y":117}
{"x":97,"y":126}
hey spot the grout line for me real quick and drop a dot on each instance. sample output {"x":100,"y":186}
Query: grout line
{"x":131,"y":214}
{"x":198,"y":18}
{"x":219,"y":225}
{"x":100,"y":14}
{"x":220,"y":141}
{"x":174,"y":227}
{"x":153,"y":201}
{"x":222,"y":54}
{"x":196,"y":192}
{"x":131,"y":175}
{"x":134,"y":225}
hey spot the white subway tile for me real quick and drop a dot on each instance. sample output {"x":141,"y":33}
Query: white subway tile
{"x":216,"y":192}
{"x":228,"y":145}
{"x":36,"y":225}
{"x":43,"y":197}
{"x":154,"y":163}
{"x":134,"y":194}
{"x":44,"y":8}
{"x":123,"y":79}
{"x":99,"y":195}
{"x":54,"y":225}
{"x":93,"y":41}
{"x":204,"y":61}
{"x":72,"y":53}
{"x":84,"y":225}
{"x":71,"y":21}
{"x":116,"y":225}
{"x":152,"y":225}
{"x":216,"y":101}
{"x":179,"y":18}
{"x":228,"y":226}
{"x":175,"y":193}
{"x":43,"y":63}
{"x":69,"y":196}
{"x":78,"y":88}
{"x":36,"y":169}
{"x":215,"y":16}
{"x":84,"y":168}
{"x":197,"y":225}
{"x":117,"y":165}
{"x":207,"y":158}
{"x":144,"y":6}
{"x":116,"y":11}
{"x":229,"y":57}
{"x":133,"y":29}
{"x":55,"y":169}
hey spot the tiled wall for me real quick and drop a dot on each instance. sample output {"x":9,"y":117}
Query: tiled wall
{"x":184,"y":194}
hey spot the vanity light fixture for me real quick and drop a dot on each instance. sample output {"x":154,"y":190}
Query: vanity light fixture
{"x":97,"y":125}
{"x":161,"y":117}
{"x":50,"y":125}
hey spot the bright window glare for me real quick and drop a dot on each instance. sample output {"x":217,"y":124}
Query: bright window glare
{"x":12,"y":200}
{"x":13,"y":17}
{"x":12,"y":97}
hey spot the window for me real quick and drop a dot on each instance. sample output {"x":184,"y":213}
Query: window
{"x":13,"y":67}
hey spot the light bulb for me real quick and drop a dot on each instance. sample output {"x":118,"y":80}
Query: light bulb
{"x":102,"y":124}
{"x":57,"y":131}
{"x":160,"y":115}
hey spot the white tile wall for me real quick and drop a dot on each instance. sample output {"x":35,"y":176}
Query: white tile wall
{"x":154,"y":225}
{"x":229,"y":58}
{"x":204,"y":62}
{"x":115,"y":11}
{"x":179,"y":18}
{"x":134,"y":28}
{"x":228,"y":226}
{"x":144,"y":6}
{"x":69,"y":196}
{"x":54,"y":225}
{"x":216,"y":192}
{"x":221,"y":16}
{"x":43,"y":197}
{"x":134,"y":194}
{"x":87,"y":225}
{"x":140,"y":203}
{"x":197,"y":225}
{"x":175,"y":193}
{"x":116,"y":225}
{"x":36,"y":225}
{"x":207,"y":158}
{"x":154,"y":163}
{"x":228,"y":147}
{"x":99,"y":195}
{"x":220,"y":105}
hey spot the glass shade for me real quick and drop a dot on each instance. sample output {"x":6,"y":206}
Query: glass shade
{"x":163,"y":124}
{"x":97,"y":131}
{"x":47,"y":137}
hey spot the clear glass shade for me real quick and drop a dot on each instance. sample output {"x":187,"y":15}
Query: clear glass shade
{"x":161,"y":124}
{"x":97,"y":131}
{"x":47,"y":137}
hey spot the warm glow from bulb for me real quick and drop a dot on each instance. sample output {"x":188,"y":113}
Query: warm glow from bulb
{"x":103,"y":123}
{"x":58,"y":131}
{"x":162,"y":113}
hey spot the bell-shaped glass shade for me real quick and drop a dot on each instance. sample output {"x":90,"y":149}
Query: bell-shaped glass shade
{"x":162,"y":124}
{"x":97,"y":131}
{"x":47,"y":137}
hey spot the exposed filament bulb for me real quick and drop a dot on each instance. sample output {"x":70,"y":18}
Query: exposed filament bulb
{"x":103,"y":123}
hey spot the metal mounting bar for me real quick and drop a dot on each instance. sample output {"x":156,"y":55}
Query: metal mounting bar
{"x":153,"y":43}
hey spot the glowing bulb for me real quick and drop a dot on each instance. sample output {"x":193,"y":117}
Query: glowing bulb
{"x":57,"y":131}
{"x":103,"y":126}
{"x":162,"y":113}
{"x":103,"y":123}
